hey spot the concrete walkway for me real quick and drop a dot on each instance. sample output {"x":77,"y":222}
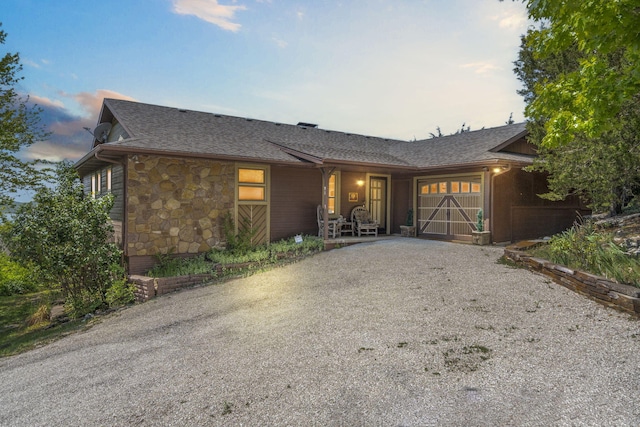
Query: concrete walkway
{"x":398,"y":332}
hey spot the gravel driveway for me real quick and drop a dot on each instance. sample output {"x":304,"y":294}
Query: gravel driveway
{"x":400,"y":332}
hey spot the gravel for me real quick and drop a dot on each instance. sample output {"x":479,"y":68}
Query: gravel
{"x":399,"y":332}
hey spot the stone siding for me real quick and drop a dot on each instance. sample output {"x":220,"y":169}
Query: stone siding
{"x":176,"y":205}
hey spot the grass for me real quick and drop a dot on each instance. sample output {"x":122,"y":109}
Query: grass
{"x":24,"y":322}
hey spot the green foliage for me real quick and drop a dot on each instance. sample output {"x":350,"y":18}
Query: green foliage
{"x":172,"y":266}
{"x":120,"y":293}
{"x":409,"y":221}
{"x":479,"y":222}
{"x":19,"y":128}
{"x":584,"y":101}
{"x":242,"y":241}
{"x":65,"y":236}
{"x":14,"y":278}
{"x":585,"y":247}
{"x":259,"y":256}
{"x":601,"y":170}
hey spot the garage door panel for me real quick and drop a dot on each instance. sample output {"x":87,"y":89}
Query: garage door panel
{"x":448,"y":207}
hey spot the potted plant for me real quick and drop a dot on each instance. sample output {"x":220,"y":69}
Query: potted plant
{"x":408,"y":230}
{"x":481,"y":237}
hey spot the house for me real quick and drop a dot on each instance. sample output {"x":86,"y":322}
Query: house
{"x":177,"y":173}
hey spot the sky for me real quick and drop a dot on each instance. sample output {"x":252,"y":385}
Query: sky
{"x":389,"y":68}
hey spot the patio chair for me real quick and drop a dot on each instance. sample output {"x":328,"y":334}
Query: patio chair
{"x":333,"y":226}
{"x":362,"y":222}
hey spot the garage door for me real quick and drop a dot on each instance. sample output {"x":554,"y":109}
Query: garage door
{"x":448,"y":207}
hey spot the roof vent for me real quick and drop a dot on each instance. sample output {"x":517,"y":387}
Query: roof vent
{"x":307,"y":125}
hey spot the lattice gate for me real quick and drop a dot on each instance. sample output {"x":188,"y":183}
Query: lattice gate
{"x":254,"y":217}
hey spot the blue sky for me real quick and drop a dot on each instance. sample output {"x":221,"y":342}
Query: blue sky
{"x":390,"y":68}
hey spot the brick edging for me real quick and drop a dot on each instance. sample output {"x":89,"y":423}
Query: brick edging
{"x":149,"y":287}
{"x":612,"y":294}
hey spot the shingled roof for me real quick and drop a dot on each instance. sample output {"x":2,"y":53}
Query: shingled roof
{"x":173,"y":131}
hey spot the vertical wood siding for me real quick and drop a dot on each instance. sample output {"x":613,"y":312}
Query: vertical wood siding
{"x":295,"y":193}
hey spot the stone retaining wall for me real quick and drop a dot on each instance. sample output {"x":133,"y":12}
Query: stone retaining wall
{"x":149,"y":287}
{"x":599,"y":289}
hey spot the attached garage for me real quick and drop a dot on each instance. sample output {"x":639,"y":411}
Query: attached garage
{"x":448,"y":206}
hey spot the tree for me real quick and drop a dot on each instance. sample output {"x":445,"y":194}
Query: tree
{"x":602,"y":170}
{"x":65,"y":235}
{"x":584,"y":102}
{"x":19,"y":128}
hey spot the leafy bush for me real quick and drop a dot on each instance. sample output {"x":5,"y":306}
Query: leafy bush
{"x":65,"y":236}
{"x":242,"y":241}
{"x":14,"y":278}
{"x":120,"y":293}
{"x":585,"y":247}
{"x":262,"y":255}
{"x":170,"y":267}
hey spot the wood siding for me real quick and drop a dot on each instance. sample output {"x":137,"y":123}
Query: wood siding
{"x":349,"y":183}
{"x":521,"y":146}
{"x":401,"y":202}
{"x":518,"y":213}
{"x":295,"y":194}
{"x":117,"y":188}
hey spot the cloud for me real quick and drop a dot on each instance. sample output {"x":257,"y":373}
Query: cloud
{"x":30,"y":63}
{"x":92,"y":102}
{"x":513,"y":20}
{"x":279,"y":42}
{"x":481,"y":67}
{"x":209,"y":11}
{"x":68,"y":140}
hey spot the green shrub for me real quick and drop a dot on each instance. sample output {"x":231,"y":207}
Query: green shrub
{"x":120,"y":293}
{"x":66,"y":235}
{"x":585,"y":247}
{"x":172,"y":266}
{"x":14,"y":278}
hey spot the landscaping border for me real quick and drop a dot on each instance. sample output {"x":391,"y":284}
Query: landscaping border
{"x":604,"y":291}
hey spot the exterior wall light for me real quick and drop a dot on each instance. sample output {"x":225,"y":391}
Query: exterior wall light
{"x":360,"y":183}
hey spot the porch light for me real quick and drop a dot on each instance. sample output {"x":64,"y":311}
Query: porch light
{"x":497,"y":169}
{"x":360,"y":183}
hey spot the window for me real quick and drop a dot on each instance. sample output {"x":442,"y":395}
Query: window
{"x":333,"y":194}
{"x":96,"y":186}
{"x":252,"y":184}
{"x":108,"y":180}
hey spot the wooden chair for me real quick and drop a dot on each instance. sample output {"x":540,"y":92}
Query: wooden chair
{"x":362,"y":222}
{"x":332,"y":225}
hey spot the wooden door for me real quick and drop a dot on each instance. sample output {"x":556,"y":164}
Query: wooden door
{"x":448,"y":206}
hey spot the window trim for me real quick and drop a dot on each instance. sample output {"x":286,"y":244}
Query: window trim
{"x":265,"y":185}
{"x":336,"y":197}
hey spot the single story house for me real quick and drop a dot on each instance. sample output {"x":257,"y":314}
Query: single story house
{"x":177,"y":173}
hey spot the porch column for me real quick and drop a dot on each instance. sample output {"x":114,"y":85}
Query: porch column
{"x":326,"y":174}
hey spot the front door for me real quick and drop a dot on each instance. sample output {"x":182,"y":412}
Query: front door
{"x":378,"y":201}
{"x":448,"y":206}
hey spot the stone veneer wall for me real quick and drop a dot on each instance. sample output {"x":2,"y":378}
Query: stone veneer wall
{"x":176,"y":205}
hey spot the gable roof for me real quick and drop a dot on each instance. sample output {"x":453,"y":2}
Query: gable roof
{"x":172,"y":131}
